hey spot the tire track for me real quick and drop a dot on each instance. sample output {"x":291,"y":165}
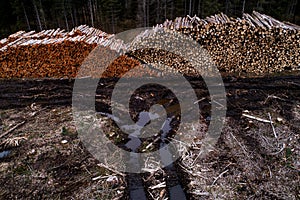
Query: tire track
{"x":242,"y":94}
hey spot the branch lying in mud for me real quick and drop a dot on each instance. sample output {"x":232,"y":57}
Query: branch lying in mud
{"x":263,"y":120}
{"x":110,"y":169}
{"x":12,"y":129}
{"x":219,"y":176}
{"x":274,"y":132}
{"x":33,"y":114}
{"x":240,"y":145}
{"x":256,"y":118}
{"x":160,"y":185}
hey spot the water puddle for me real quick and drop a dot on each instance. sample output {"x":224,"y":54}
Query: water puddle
{"x":176,"y":192}
{"x":4,"y":154}
{"x":136,"y":189}
{"x":136,"y":129}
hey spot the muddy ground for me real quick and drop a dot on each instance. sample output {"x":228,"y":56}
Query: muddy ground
{"x":42,"y":157}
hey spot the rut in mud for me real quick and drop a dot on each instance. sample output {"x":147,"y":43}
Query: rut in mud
{"x":242,"y":94}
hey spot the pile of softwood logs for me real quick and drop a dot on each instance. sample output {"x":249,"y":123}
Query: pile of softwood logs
{"x":51,"y":53}
{"x":256,"y":44}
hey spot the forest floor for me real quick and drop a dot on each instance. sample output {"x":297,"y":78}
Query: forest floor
{"x":41,"y":156}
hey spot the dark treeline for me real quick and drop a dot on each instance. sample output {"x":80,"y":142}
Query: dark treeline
{"x":118,"y":15}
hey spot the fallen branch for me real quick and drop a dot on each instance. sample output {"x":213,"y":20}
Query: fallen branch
{"x":21,"y":123}
{"x":219,"y":103}
{"x":239,"y":144}
{"x":274,"y":132}
{"x":197,"y":192}
{"x":99,"y":177}
{"x":274,"y":97}
{"x":12,"y":129}
{"x":256,"y":118}
{"x":110,"y":169}
{"x":160,"y":185}
{"x":220,"y":175}
{"x":199,"y":100}
{"x":283,"y":147}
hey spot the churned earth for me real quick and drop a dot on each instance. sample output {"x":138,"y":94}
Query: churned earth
{"x":256,"y":156}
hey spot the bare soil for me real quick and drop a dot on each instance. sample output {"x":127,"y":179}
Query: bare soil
{"x":251,"y":160}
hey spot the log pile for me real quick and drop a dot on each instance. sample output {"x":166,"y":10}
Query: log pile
{"x":118,"y":68}
{"x":50,"y":53}
{"x":256,"y":43}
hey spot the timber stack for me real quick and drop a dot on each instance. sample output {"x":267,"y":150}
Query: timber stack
{"x":255,"y":44}
{"x":51,"y":53}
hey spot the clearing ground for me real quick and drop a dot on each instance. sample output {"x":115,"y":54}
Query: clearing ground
{"x":42,"y":157}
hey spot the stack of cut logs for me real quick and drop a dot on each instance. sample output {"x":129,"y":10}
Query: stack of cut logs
{"x":255,"y":44}
{"x":49,"y":53}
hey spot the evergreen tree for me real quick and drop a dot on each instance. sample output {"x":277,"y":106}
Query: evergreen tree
{"x":114,"y":16}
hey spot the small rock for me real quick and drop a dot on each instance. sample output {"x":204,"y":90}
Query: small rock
{"x":279,"y":119}
{"x":119,"y":192}
{"x":112,"y":134}
{"x":112,"y":180}
{"x":139,"y":98}
{"x":33,"y":106}
{"x":64,"y":141}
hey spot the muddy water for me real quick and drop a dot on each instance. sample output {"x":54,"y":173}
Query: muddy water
{"x":4,"y":154}
{"x":173,"y":184}
{"x":136,"y":188}
{"x":135,"y":183}
{"x":144,"y":118}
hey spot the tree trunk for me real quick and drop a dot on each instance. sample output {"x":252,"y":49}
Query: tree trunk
{"x":75,"y":16}
{"x":91,"y":11}
{"x":190,"y":8}
{"x":291,"y":9}
{"x":147,"y":13}
{"x":172,"y":9}
{"x":140,"y":13}
{"x":26,"y":17}
{"x":58,"y":22}
{"x":165,"y":9}
{"x":158,"y":12}
{"x":66,"y":19}
{"x":100,"y":16}
{"x":96,"y":16}
{"x":227,"y":7}
{"x":199,"y":8}
{"x":243,"y":11}
{"x":112,"y":19}
{"x":84,"y":15}
{"x":72,"y":18}
{"x":43,"y":15}
{"x":185,"y":9}
{"x":37,"y":16}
